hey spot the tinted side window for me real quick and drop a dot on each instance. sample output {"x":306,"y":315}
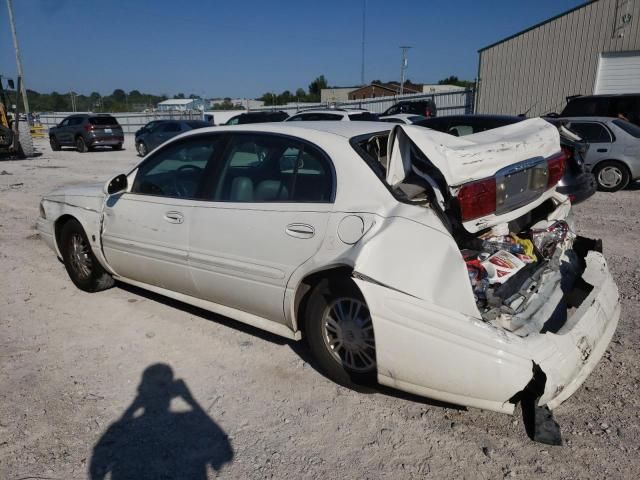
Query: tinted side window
{"x":628,"y":127}
{"x":177,"y":170}
{"x":591,"y":132}
{"x":75,"y":121}
{"x":264,"y":168}
{"x":170,"y":127}
{"x":591,"y":107}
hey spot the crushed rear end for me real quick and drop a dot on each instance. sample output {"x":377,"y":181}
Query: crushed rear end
{"x":489,"y":295}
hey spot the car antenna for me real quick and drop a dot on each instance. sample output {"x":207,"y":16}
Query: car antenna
{"x":528,"y":110}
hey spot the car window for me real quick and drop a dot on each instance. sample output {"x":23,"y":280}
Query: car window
{"x":391,"y":120}
{"x":589,"y":106}
{"x":103,"y":120}
{"x":416,"y":118}
{"x":177,"y":169}
{"x":363,"y":117}
{"x":233,"y":120}
{"x":261,"y":168}
{"x":630,"y":128}
{"x":75,"y":121}
{"x":591,"y":132}
{"x":460,"y":130}
{"x":170,"y":127}
{"x":64,"y":122}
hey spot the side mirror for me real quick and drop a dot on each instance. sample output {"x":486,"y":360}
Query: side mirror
{"x":116,"y":184}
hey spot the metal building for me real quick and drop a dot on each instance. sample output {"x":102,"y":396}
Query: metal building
{"x":594,"y":48}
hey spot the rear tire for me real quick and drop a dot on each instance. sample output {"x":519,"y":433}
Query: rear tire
{"x":26,"y":149}
{"x":117,"y":147}
{"x":81,"y":145}
{"x":55,"y":146}
{"x":611,"y":176}
{"x":339,"y":331}
{"x":83,"y":268}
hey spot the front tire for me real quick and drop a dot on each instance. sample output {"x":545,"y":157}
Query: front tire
{"x":142,"y":149}
{"x":339,"y":331}
{"x":81,"y":145}
{"x":611,"y":176}
{"x":83,"y":268}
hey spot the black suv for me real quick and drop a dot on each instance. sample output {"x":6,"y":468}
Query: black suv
{"x":257,"y":117}
{"x":426,"y":108}
{"x":625,"y":106}
{"x":86,"y":131}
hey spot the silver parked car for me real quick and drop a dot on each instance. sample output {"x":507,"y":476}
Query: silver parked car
{"x":614,"y":153}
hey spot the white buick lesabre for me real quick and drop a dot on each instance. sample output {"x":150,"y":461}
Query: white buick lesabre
{"x":442,"y":266}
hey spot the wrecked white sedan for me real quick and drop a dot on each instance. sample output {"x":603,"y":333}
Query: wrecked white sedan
{"x":442,"y":266}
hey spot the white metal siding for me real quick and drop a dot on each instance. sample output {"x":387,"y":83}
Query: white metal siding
{"x":618,"y":73}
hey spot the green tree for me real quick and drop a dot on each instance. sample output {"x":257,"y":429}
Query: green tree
{"x":453,"y":80}
{"x":315,"y":87}
{"x":119,"y":95}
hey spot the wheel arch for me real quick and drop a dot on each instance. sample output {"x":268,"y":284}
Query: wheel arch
{"x":306,"y":285}
{"x":623,"y":162}
{"x":58,"y":225}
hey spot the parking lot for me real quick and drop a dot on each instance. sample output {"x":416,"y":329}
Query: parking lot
{"x":72,"y":364}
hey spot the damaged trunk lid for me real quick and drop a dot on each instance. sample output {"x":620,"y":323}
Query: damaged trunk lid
{"x":484,"y":179}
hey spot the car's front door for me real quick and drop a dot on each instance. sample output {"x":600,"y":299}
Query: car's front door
{"x":599,"y":138}
{"x":62,"y":132}
{"x":146,"y":229}
{"x":266,"y":214}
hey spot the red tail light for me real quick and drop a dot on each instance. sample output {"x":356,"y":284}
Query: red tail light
{"x":88,"y":128}
{"x":556,"y":165}
{"x":477,"y":199}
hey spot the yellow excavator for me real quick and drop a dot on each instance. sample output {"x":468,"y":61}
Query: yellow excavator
{"x":15,"y":133}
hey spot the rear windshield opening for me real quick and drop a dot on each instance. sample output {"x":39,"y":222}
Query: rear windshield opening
{"x":363,"y":117}
{"x":103,"y":120}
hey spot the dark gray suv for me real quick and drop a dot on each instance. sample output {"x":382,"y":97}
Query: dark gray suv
{"x":86,"y":131}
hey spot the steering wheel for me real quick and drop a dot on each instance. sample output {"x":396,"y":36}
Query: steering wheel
{"x":178,"y":186}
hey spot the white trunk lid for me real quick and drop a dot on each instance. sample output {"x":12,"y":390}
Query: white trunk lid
{"x":507,"y":152}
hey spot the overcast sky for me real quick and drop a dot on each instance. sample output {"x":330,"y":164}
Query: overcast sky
{"x":245,"y":48}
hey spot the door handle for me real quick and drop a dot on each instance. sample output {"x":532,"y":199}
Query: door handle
{"x":602,"y":150}
{"x":174,"y":217}
{"x":300,"y":230}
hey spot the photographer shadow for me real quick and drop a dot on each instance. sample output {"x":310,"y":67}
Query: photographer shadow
{"x":151,"y":441}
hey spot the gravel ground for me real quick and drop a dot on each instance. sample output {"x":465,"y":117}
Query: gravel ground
{"x":230,"y":400}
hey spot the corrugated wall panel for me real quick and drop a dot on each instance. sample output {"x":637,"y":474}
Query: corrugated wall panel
{"x":542,"y":66}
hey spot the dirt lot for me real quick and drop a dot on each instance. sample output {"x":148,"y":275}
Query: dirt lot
{"x":249,"y":405}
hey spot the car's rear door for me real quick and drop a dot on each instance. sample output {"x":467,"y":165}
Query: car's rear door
{"x":266,"y":214}
{"x":146,"y":229}
{"x":599,"y":138}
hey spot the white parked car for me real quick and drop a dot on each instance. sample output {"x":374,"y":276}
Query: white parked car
{"x":357,"y":236}
{"x":333,"y":114}
{"x":403,"y":118}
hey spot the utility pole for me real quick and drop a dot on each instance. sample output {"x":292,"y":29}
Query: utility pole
{"x":23,"y":88}
{"x":364,"y":18}
{"x":403,"y":67}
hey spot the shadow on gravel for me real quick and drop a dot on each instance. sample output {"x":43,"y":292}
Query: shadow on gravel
{"x":149,"y":441}
{"x":300,"y":348}
{"x":200,"y":312}
{"x":633,"y":186}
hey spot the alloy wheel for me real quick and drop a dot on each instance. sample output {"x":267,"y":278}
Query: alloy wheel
{"x":79,"y":256}
{"x":348,"y":334}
